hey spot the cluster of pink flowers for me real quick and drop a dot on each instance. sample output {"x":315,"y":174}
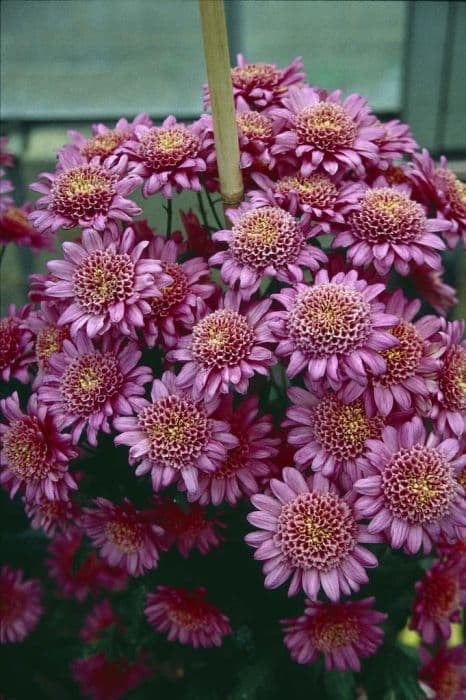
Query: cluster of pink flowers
{"x":279,"y":329}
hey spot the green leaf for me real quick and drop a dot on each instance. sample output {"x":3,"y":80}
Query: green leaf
{"x":340,"y":685}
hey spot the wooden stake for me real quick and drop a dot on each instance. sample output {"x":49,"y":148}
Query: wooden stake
{"x":217,"y":61}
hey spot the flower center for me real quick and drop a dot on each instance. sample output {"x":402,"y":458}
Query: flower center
{"x":222,"y":339}
{"x":103,"y":145}
{"x":342,"y":429}
{"x":102,"y":279}
{"x":25,"y":449}
{"x":329,"y":319}
{"x":254,"y":75}
{"x":419,"y":484}
{"x":49,"y":340}
{"x":441,"y":595}
{"x":395,"y":175}
{"x":124,"y":535}
{"x":16,"y":217}
{"x":10,"y":336}
{"x":254,"y":125}
{"x":316,"y":190}
{"x":266,"y":236}
{"x":316,"y":530}
{"x":166,"y":147}
{"x":13,"y":603}
{"x":402,"y":360}
{"x":173,"y":293}
{"x":82,"y":192}
{"x":236,"y":459}
{"x":387,"y":216}
{"x":90,"y":381}
{"x":332,"y":628}
{"x":447,"y":681}
{"x":326,"y":126}
{"x":453,"y":379}
{"x":454,"y":189}
{"x":178,"y":431}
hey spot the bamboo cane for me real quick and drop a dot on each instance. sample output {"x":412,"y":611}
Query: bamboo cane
{"x":221,"y":99}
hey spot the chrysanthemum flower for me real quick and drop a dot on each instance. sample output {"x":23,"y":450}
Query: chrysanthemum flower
{"x":35,"y":453}
{"x":175,"y":308}
{"x":103,"y":678}
{"x":432,"y":288}
{"x":311,"y":533}
{"x":51,"y":516}
{"x":330,"y":435}
{"x":15,"y":344}
{"x":6,"y":186}
{"x":412,"y":365}
{"x":264,"y":242}
{"x":168,"y":156}
{"x":325,"y":133}
{"x":173,"y":436}
{"x":246,"y":463}
{"x":20,"y":605}
{"x":188,"y":529}
{"x":449,"y":409}
{"x":199,"y":241}
{"x":444,"y":673}
{"x":86,"y":194}
{"x":86,"y":385}
{"x":16,"y":228}
{"x":90,"y":575}
{"x":440,"y":186}
{"x":125,"y":536}
{"x":334,"y":328}
{"x":388,"y":228}
{"x":105,"y":282}
{"x":397,"y":142}
{"x":226,"y":347}
{"x":410,"y":492}
{"x":100,"y":617}
{"x":261,"y":85}
{"x":438,"y":601}
{"x":187,"y":616}
{"x":343,"y":632}
{"x":317,"y":196}
{"x":49,"y":336}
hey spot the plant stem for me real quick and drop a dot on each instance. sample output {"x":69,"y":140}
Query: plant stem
{"x":169,"y":210}
{"x":214,"y":211}
{"x":2,"y":252}
{"x":202,"y":210}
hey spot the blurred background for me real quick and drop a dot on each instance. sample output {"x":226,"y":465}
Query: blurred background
{"x":66,"y":64}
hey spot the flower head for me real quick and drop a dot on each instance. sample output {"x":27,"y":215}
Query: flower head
{"x":187,"y":616}
{"x":100,"y":617}
{"x":225,"y":347}
{"x":104,"y":678}
{"x":51,"y":516}
{"x":87,"y":384}
{"x":35,"y":453}
{"x":15,"y":344}
{"x":309,"y":532}
{"x":49,"y":336}
{"x":431,"y":287}
{"x":444,"y":673}
{"x":188,"y":529}
{"x":410,"y":491}
{"x":343,"y":632}
{"x":449,"y":406}
{"x":20,"y":605}
{"x":15,"y":227}
{"x":173,"y":436}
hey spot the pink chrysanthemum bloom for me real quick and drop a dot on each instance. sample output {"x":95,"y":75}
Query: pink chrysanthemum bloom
{"x":89,"y":576}
{"x":20,"y":605}
{"x":264,"y":242}
{"x":125,"y":536}
{"x":397,"y":142}
{"x":443,"y":676}
{"x":173,"y":436}
{"x":100,"y":617}
{"x":330,"y":435}
{"x":311,"y":533}
{"x":190,"y":529}
{"x":103,"y":678}
{"x":334,"y":329}
{"x":51,"y":516}
{"x":225,"y":348}
{"x":317,"y":196}
{"x":15,"y":344}
{"x":86,"y":194}
{"x":449,"y":410}
{"x":261,"y":84}
{"x":105,"y":282}
{"x":388,"y":228}
{"x":16,"y":228}
{"x":35,"y":453}
{"x":175,"y":308}
{"x":6,"y":186}
{"x":169,"y":156}
{"x":245,"y":464}
{"x":325,"y":133}
{"x":411,"y":366}
{"x":438,"y":602}
{"x":49,"y":336}
{"x":187,"y":616}
{"x":343,"y":632}
{"x":86,"y":385}
{"x":431,"y":287}
{"x":410,"y":491}
{"x":440,"y":186}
